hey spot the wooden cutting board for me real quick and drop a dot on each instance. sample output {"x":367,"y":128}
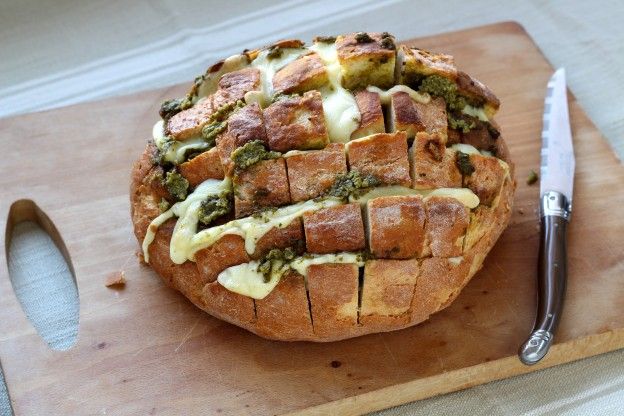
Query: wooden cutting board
{"x":147,"y":350}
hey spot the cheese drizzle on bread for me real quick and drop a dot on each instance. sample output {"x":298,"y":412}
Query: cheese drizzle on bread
{"x":324,"y":192}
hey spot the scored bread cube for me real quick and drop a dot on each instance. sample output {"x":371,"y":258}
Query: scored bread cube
{"x":432,"y":163}
{"x":285,"y":312}
{"x":414,"y":64}
{"x":312,"y":173}
{"x":412,"y":116}
{"x":396,"y":226}
{"x":288,"y":236}
{"x":483,"y":136}
{"x":387,"y":292}
{"x":243,"y":126}
{"x":226,"y":305}
{"x":383,"y":156}
{"x":366,"y":59}
{"x":263,"y":184}
{"x":206,"y":165}
{"x":234,"y":85}
{"x":487,"y":179}
{"x":446,"y":225}
{"x":480,"y":223}
{"x":478,"y":93}
{"x":188,"y":123}
{"x":334,"y":229}
{"x":228,"y":251}
{"x":439,"y":282}
{"x":296,"y":123}
{"x":371,"y":114}
{"x":333,"y":291}
{"x":303,"y":74}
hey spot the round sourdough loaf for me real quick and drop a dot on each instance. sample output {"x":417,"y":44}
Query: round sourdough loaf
{"x":327,"y":191}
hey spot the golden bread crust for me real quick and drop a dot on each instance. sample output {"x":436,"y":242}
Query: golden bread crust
{"x":438,"y":279}
{"x":417,"y":250}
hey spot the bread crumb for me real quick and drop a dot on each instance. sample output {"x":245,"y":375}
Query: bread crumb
{"x":520,"y":211}
{"x":141,"y":257}
{"x":116,"y":280}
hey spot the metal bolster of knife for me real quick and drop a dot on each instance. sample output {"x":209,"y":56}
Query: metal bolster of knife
{"x":555,"y":203}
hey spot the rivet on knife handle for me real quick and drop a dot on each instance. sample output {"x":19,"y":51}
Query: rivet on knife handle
{"x":552,"y":273}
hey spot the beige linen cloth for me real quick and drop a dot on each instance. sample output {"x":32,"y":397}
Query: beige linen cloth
{"x":55,"y":53}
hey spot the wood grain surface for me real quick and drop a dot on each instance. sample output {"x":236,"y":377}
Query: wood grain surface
{"x":147,"y":350}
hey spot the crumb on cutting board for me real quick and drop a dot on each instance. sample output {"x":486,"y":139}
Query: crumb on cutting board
{"x":141,"y":257}
{"x":532,"y":178}
{"x":116,"y":280}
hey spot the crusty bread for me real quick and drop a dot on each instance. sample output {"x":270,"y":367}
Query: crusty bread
{"x":400,"y":253}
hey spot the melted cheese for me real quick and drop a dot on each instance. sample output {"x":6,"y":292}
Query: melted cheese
{"x":301,"y":264}
{"x":293,"y":153}
{"x":246,"y":280}
{"x":465,"y":148}
{"x":342,"y":115}
{"x":177,"y":149}
{"x":385,"y":191}
{"x":386,"y":96}
{"x":475,"y":112}
{"x":158,"y":133}
{"x":268,"y":67}
{"x":151,"y":232}
{"x":187,"y":212}
{"x":252,"y":229}
{"x":211,"y":82}
{"x":463,"y":195}
{"x":456,"y":261}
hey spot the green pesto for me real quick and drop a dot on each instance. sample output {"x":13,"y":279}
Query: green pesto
{"x":211,"y":130}
{"x":225,"y":110}
{"x":252,"y":153}
{"x":465,"y":124}
{"x":275,"y":257}
{"x":351,"y":183}
{"x":532,"y":178}
{"x":364,"y":256}
{"x":325,"y":39}
{"x":274,"y":52}
{"x":462,"y":160}
{"x":363,"y":37}
{"x":443,"y":87}
{"x":159,"y":156}
{"x":261,"y":211}
{"x":177,"y":185}
{"x":387,"y":42}
{"x":172,"y":107}
{"x":163,"y":205}
{"x":282,"y":96}
{"x":214,"y":207}
{"x":199,"y":80}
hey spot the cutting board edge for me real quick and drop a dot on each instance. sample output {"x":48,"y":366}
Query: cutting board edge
{"x":452,"y":381}
{"x":507,"y":367}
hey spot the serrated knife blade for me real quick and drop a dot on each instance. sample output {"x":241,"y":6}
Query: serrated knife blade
{"x":557,"y":167}
{"x":556,"y":186}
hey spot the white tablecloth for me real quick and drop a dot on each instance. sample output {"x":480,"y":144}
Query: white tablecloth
{"x":63,"y":52}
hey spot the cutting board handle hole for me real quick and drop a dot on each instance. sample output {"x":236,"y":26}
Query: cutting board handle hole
{"x":42,"y":274}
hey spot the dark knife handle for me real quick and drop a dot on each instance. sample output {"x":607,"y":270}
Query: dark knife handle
{"x":552,"y":276}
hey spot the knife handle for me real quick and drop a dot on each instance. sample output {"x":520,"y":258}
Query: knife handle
{"x":552,"y":276}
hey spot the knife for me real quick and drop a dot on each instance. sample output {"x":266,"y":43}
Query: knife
{"x":557,"y":180}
